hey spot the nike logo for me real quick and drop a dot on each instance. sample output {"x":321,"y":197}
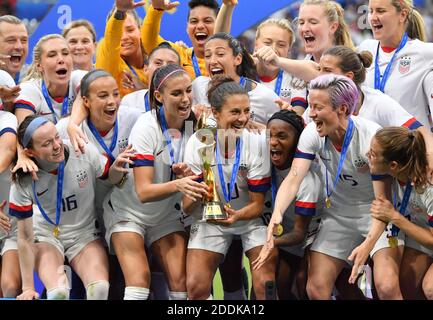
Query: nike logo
{"x":41,"y":193}
{"x":159,"y":152}
{"x":324,"y":159}
{"x":45,"y":113}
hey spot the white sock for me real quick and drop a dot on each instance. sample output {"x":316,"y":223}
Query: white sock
{"x":136,"y":293}
{"x":97,"y":290}
{"x":210,"y":297}
{"x":178,"y":295}
{"x":236,"y":295}
{"x":58,"y":293}
{"x":159,"y":286}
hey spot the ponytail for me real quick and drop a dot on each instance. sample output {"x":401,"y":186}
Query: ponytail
{"x":415,"y":23}
{"x":408,"y":149}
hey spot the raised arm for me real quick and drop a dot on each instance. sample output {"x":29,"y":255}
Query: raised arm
{"x":223,"y":21}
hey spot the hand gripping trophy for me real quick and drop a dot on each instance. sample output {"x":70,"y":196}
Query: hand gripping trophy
{"x":212,"y":205}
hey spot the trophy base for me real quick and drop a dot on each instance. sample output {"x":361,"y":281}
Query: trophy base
{"x":212,"y":211}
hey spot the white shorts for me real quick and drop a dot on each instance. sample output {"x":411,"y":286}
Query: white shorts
{"x":339,"y":235}
{"x":383,"y":241}
{"x":149,"y":234}
{"x":9,"y":243}
{"x":410,"y":243}
{"x":217,"y":238}
{"x":69,"y":246}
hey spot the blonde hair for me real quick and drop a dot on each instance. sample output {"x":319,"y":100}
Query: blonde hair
{"x":33,"y":72}
{"x":79,"y":23}
{"x":335,"y":13}
{"x":415,"y":23}
{"x":281,"y":23}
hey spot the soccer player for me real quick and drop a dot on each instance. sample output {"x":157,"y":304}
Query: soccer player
{"x":401,"y":153}
{"x":242,"y":178}
{"x":403,"y":63}
{"x":64,"y":223}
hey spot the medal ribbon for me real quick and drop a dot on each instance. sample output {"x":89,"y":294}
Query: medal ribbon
{"x":380,"y":83}
{"x":47,"y":97}
{"x":228,"y":193}
{"x":195,"y":65}
{"x":60,"y":174}
{"x":346,"y":143}
{"x":97,"y":135}
{"x":404,"y":202}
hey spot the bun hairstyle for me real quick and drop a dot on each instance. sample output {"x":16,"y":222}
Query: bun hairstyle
{"x":408,"y":149}
{"x":220,"y":88}
{"x":350,"y":61}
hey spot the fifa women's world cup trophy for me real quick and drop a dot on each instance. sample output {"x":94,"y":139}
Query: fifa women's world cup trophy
{"x":212,"y":205}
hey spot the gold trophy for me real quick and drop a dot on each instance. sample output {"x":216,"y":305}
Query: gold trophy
{"x":212,"y":205}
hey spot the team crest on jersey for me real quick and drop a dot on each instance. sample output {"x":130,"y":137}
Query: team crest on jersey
{"x":361,"y":165}
{"x":194,"y":230}
{"x":123,"y":144}
{"x":286,"y":94}
{"x":298,"y":83}
{"x":404,"y":65}
{"x":82,"y":178}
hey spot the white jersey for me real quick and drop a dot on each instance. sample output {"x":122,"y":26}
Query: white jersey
{"x":253,"y":174}
{"x":410,"y":81}
{"x":381,"y":109}
{"x":152,"y":150}
{"x":8,"y":123}
{"x":138,"y":99}
{"x":78,"y":209}
{"x":293,"y":90}
{"x":354,"y":188}
{"x":126,"y":118}
{"x":262,"y":99}
{"x":308,"y":197}
{"x":420,"y":207}
{"x":32,"y":98}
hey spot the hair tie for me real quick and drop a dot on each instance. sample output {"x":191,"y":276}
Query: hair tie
{"x":31,"y":128}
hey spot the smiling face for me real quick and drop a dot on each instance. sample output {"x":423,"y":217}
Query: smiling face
{"x":13,"y":42}
{"x":315,"y":29}
{"x":386,"y":22}
{"x":161,"y":58}
{"x":275,"y":37}
{"x":282,"y":143}
{"x":103,"y":101}
{"x":234,"y":114}
{"x":201,"y":24}
{"x":322,"y":113}
{"x":176,"y":96}
{"x":56,"y":62}
{"x":376,"y":161}
{"x":47,"y":144}
{"x":130,"y":41}
{"x":219,"y":58}
{"x":82,"y":46}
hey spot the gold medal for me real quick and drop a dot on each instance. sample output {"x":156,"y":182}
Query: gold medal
{"x":278,"y":230}
{"x":327,"y":203}
{"x":227,"y":205}
{"x":393,"y":242}
{"x":56,"y":231}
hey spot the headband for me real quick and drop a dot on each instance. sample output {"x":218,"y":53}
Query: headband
{"x":31,"y":128}
{"x":90,"y":77}
{"x":289,"y":117}
{"x":167,"y":76}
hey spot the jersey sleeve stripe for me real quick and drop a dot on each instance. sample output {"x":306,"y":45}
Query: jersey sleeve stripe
{"x":23,"y":104}
{"x":143,"y":160}
{"x":305,"y":211}
{"x":20,"y":211}
{"x":200,"y":178}
{"x":379,"y":177}
{"x":412,"y":124}
{"x":304,"y":204}
{"x":259,"y":185}
{"x":7,"y":130}
{"x":299,"y":102}
{"x":303,"y":155}
{"x":430,"y":221}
